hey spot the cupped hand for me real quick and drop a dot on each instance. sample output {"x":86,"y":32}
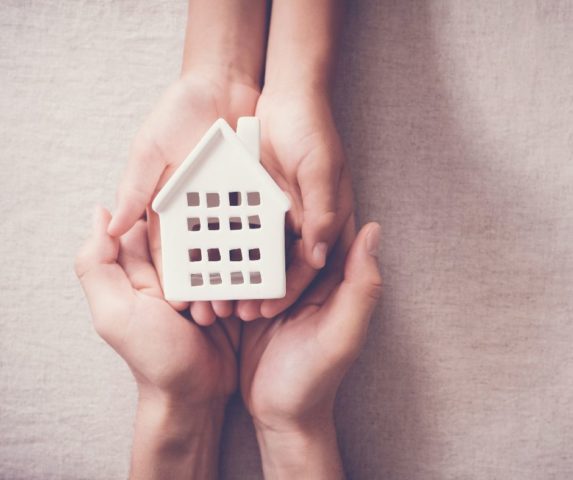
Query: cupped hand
{"x":168,"y":354}
{"x":301,"y":149}
{"x":292,"y":365}
{"x":184,"y":113}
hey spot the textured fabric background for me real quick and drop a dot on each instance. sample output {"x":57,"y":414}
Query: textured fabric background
{"x":458,"y":121}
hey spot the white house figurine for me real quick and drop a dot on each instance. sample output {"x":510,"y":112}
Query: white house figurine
{"x":222,"y":220}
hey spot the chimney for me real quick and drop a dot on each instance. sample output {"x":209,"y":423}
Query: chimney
{"x":249,"y":132}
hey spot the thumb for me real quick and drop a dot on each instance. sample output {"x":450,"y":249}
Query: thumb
{"x":349,"y":308}
{"x":144,"y":168}
{"x":104,"y":282}
{"x":318,"y":178}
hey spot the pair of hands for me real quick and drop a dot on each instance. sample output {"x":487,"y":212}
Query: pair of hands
{"x":299,"y":147}
{"x":188,"y":359}
{"x":288,"y":367}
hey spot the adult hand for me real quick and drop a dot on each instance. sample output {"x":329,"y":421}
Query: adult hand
{"x":292,"y":365}
{"x":185,"y":373}
{"x":301,"y":149}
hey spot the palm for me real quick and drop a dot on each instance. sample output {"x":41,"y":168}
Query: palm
{"x":185,"y":112}
{"x":272,"y":385}
{"x":164,"y":349}
{"x":295,"y":128}
{"x":182,"y":116}
{"x":285,"y":360}
{"x":179,"y":355}
{"x":302,"y":151}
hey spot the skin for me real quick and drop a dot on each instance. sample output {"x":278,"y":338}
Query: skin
{"x":184,"y":373}
{"x":300,"y":145}
{"x":221,"y":77}
{"x":290,"y":366}
{"x":309,"y":169}
{"x":292,"y":361}
{"x":222,"y":66}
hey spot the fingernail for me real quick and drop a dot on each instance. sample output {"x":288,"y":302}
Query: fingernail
{"x":319,"y":254}
{"x":112,"y":222}
{"x":373,"y":241}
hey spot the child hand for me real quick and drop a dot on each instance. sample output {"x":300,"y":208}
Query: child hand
{"x":184,"y":113}
{"x":301,"y":149}
{"x":292,"y":365}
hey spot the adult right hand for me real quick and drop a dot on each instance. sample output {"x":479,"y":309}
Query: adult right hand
{"x":291,"y":365}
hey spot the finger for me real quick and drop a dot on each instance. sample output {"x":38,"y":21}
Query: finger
{"x":298,"y":276}
{"x":222,"y":308}
{"x":154,"y":245}
{"x":107,"y":288}
{"x":135,"y":260}
{"x":232,"y":329}
{"x":144,"y":169}
{"x":348,"y":310}
{"x":248,"y":310}
{"x":331,"y":276}
{"x":202,"y":313}
{"x":99,"y":249}
{"x":318,"y":177}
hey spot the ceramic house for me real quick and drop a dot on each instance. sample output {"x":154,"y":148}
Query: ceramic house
{"x":222,"y":221}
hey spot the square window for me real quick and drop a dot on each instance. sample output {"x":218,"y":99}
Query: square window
{"x":237,"y":278}
{"x":235,"y":255}
{"x":253,"y":198}
{"x":254,"y":221}
{"x":254,"y":254}
{"x":212,"y":200}
{"x":234,"y":199}
{"x":196,"y":279}
{"x":255,"y":277}
{"x":235,"y":223}
{"x":193,"y":224}
{"x":213,"y":254}
{"x":193,"y":199}
{"x":215,"y":279}
{"x":195,"y":255}
{"x":213,"y":223}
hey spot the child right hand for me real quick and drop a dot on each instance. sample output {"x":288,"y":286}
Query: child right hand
{"x":185,"y":112}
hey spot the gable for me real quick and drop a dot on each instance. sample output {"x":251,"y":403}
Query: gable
{"x":220,"y":161}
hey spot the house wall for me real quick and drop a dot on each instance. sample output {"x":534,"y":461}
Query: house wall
{"x":456,"y":116}
{"x":222,"y":169}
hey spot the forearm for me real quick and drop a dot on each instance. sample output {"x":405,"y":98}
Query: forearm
{"x":175,"y":440}
{"x":302,"y":42}
{"x":309,"y":453}
{"x":228,"y":36}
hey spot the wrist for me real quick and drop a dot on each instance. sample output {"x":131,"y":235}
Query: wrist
{"x":310,"y":83}
{"x":227,"y":36}
{"x":302,"y":451}
{"x":173,"y":437}
{"x":221,"y":73}
{"x":302,"y":43}
{"x":179,"y":418}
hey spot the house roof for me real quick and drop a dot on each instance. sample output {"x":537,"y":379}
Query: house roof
{"x":229,"y":135}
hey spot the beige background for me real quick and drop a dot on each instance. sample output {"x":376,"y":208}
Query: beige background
{"x":458,"y":121}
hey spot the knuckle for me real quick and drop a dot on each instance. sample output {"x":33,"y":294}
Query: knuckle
{"x":346,"y":353}
{"x":101,"y":327}
{"x":374,"y":289}
{"x":81,"y":262}
{"x":141,"y":147}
